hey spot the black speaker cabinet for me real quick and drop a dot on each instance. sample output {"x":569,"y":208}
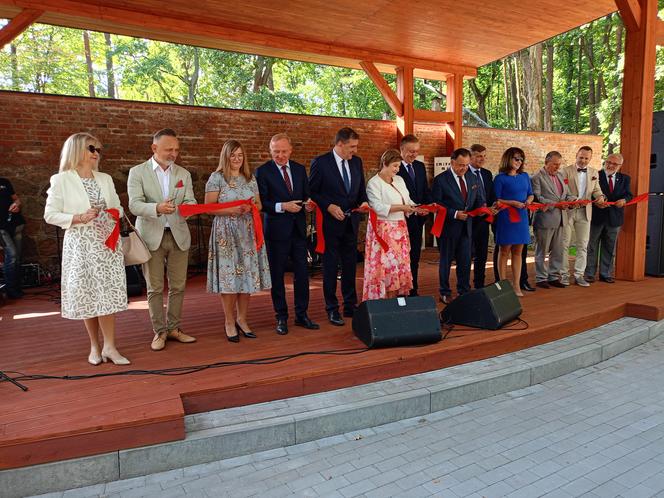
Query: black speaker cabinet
{"x":657,"y":154}
{"x":654,"y":233}
{"x":402,"y":321}
{"x":488,"y":308}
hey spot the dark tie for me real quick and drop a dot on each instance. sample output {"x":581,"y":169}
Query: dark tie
{"x":411,"y":171}
{"x":289,"y":185}
{"x":462,"y":185}
{"x":479,"y":179}
{"x":611,"y":184}
{"x":581,"y":170}
{"x":344,"y":174}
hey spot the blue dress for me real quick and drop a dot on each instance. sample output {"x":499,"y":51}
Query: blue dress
{"x":512,"y":188}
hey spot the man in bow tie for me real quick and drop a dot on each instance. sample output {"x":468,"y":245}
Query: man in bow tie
{"x":414,"y":175}
{"x":606,"y":222}
{"x":583,"y":183}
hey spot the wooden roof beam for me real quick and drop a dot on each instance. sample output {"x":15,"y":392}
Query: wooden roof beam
{"x":630,"y":11}
{"x":383,"y":87}
{"x":127,"y":17}
{"x":22,"y":21}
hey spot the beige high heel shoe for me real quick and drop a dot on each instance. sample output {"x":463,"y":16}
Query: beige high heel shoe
{"x":115,"y":357}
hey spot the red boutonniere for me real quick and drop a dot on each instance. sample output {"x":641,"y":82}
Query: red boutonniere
{"x":179,"y":184}
{"x":566,"y":181}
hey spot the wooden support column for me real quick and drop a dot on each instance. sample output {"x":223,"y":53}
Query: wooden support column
{"x":383,"y":87}
{"x":18,"y":25}
{"x":405,"y":94}
{"x":455,"y":106}
{"x":636,"y":136}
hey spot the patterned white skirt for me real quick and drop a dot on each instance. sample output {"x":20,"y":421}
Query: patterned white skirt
{"x":93,"y":279}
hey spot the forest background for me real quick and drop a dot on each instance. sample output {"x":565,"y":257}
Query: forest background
{"x":569,"y":83}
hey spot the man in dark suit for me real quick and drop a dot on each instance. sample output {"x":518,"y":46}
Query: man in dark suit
{"x":458,"y":191}
{"x":480,"y":226}
{"x":606,"y":221}
{"x":336,"y":181}
{"x":284,"y":191}
{"x":415,"y":176}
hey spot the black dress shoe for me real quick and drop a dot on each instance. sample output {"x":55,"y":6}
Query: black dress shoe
{"x":556,"y":283}
{"x":247,"y":333}
{"x":349,"y":311}
{"x":608,"y":280}
{"x":527,"y":287}
{"x":282,"y":327}
{"x":543,"y":285}
{"x":335,"y":318}
{"x":446,"y":299}
{"x":589,"y":278}
{"x":305,"y":321}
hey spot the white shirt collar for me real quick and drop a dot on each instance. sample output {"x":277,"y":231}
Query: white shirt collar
{"x":338,"y":158}
{"x":156,"y":165}
{"x":277,"y":165}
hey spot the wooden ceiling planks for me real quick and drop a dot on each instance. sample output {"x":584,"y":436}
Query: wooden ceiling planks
{"x":438,"y":36}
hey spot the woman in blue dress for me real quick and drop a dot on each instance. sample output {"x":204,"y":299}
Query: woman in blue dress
{"x":512,"y":187}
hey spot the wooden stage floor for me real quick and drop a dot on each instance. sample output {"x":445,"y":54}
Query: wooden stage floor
{"x":61,"y":419}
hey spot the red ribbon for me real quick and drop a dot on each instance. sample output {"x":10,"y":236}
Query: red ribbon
{"x":373,"y":219}
{"x":439,"y":220}
{"x":638,"y":198}
{"x":320,"y":238}
{"x":482,"y":211}
{"x":192,"y":209}
{"x":112,"y":240}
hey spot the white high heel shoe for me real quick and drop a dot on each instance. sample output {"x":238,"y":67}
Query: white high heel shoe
{"x":94,"y":358}
{"x":115,"y":357}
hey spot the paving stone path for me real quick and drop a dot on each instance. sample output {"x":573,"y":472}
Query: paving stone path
{"x":597,"y":432}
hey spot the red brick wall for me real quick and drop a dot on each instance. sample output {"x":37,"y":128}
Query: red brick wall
{"x":33,"y":128}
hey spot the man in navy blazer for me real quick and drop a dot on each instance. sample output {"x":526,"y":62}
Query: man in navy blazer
{"x":606,"y":221}
{"x":336,"y":181}
{"x":458,"y":191}
{"x":284,"y":192}
{"x":414,"y":175}
{"x":480,"y":226}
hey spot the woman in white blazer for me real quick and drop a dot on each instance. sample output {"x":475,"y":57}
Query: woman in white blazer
{"x":387,"y":272}
{"x":93,"y":281}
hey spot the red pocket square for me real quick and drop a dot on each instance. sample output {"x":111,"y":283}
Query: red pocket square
{"x":179,"y":184}
{"x":566,"y":181}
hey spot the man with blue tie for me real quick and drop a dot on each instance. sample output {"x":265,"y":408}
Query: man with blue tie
{"x":480,"y":226}
{"x":284,"y":192}
{"x":458,"y":191}
{"x":415,"y":176}
{"x":336,"y":182}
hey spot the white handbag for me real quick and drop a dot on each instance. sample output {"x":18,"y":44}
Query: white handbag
{"x":133,"y":247}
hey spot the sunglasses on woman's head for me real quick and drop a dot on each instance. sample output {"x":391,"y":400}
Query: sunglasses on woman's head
{"x":94,"y":149}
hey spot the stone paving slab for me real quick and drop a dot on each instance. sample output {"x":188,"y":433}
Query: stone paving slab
{"x":228,"y":433}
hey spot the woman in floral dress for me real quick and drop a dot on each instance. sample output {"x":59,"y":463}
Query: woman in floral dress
{"x":236,"y":269}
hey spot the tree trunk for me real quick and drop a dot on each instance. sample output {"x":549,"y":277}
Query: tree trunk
{"x":110,"y":71}
{"x":577,"y":114}
{"x":592,"y":94}
{"x":263,"y":73}
{"x":548,"y":107}
{"x":506,"y":92}
{"x":481,"y":99}
{"x":531,"y":62}
{"x":14,"y":65}
{"x":193,"y":80}
{"x":88,"y":63}
{"x":516,"y":94}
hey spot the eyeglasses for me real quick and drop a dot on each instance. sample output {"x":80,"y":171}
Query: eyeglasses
{"x":518,"y":159}
{"x":611,"y":163}
{"x":94,"y":149}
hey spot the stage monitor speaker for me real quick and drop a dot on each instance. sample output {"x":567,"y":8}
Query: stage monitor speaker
{"x":402,"y":321}
{"x":488,"y":308}
{"x":657,"y":154}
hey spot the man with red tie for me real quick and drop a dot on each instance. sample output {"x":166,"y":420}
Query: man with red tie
{"x":606,"y":222}
{"x":458,"y":191}
{"x":284,"y":191}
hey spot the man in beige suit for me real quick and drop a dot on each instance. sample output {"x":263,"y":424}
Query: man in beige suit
{"x":155,"y":189}
{"x":583,"y":183}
